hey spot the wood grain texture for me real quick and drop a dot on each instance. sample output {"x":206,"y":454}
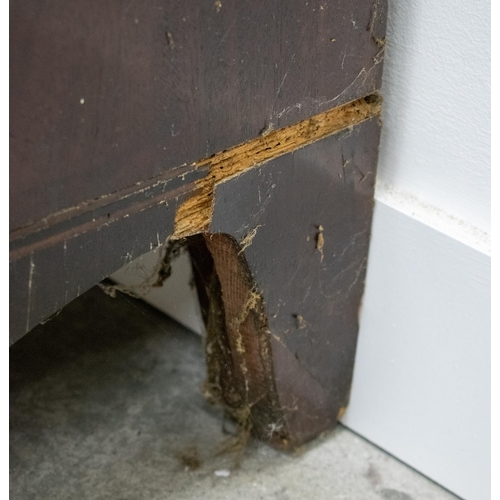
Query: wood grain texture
{"x":127,"y":117}
{"x":195,"y":214}
{"x":66,"y":252}
{"x":113,"y":103}
{"x":107,"y":94}
{"x":289,"y":255}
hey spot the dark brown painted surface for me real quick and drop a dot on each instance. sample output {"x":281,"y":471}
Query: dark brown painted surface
{"x":152,"y":102}
{"x":111,"y":102}
{"x":165,"y":83}
{"x":51,"y":272}
{"x":311,"y":294}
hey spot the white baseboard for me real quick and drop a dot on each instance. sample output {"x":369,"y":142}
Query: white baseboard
{"x":421,"y":387}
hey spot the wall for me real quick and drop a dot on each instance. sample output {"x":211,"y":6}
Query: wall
{"x":421,"y":387}
{"x":435,"y":142}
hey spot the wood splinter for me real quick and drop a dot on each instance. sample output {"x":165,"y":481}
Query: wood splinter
{"x":279,"y":376}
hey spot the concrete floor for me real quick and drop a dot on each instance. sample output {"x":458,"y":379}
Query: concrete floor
{"x":106,"y":404}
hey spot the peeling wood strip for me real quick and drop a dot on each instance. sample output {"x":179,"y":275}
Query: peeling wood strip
{"x":219,"y":167}
{"x":195,"y":214}
{"x":244,"y":364}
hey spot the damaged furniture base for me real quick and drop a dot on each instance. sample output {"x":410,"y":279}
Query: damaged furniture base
{"x":276,"y":216}
{"x":280,"y":275}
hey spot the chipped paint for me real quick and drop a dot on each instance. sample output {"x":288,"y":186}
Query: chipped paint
{"x":195,"y":214}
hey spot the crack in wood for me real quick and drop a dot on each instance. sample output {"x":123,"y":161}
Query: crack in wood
{"x":195,"y":214}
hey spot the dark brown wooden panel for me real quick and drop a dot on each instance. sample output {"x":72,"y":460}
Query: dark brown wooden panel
{"x":289,"y":243}
{"x":104,"y":94}
{"x":51,"y":272}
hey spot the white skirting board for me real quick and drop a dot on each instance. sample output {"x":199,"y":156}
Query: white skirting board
{"x":421,"y":387}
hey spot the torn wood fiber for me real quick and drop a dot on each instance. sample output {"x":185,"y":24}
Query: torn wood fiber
{"x":239,"y":361}
{"x":195,"y":214}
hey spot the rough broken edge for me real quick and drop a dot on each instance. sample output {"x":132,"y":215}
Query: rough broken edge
{"x":240,"y":374}
{"x":195,"y":214}
{"x":160,"y":273}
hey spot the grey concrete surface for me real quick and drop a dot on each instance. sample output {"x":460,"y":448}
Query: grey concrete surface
{"x":105,"y":403}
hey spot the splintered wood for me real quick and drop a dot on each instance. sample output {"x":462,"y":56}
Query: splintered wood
{"x":195,"y":214}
